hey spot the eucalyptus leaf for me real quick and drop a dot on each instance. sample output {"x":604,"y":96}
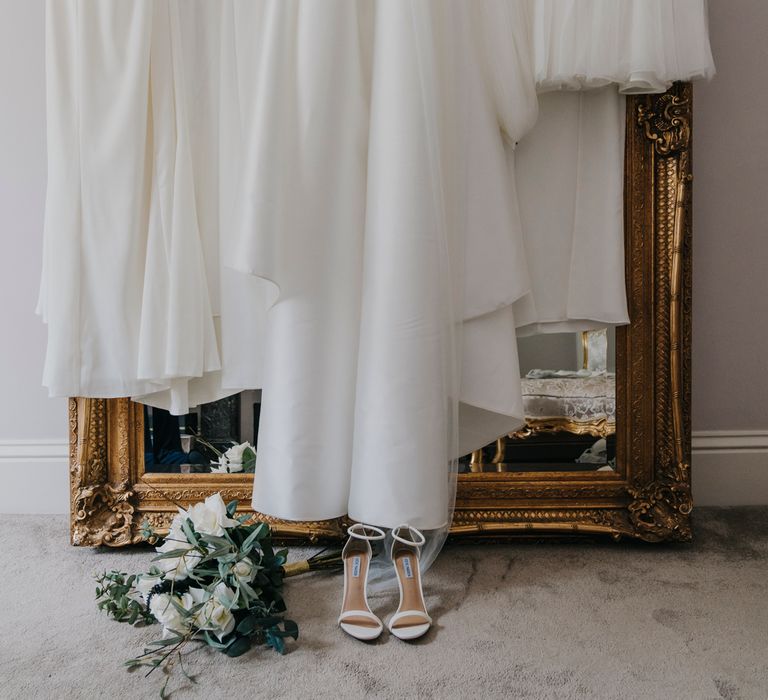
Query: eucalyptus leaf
{"x":250,"y":592}
{"x":216,"y":541}
{"x":239,"y":646}
{"x":269,"y":621}
{"x":166,"y":642}
{"x":173,"y":554}
{"x":186,"y":526}
{"x":291,"y":628}
{"x":247,"y":625}
{"x":184,"y":612}
{"x":261,"y":530}
{"x":211,"y":642}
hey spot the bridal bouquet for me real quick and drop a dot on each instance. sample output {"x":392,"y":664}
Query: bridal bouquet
{"x":215,"y":580}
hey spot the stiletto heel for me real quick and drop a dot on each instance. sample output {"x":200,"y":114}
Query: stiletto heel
{"x":411,"y":619}
{"x":356,"y":618}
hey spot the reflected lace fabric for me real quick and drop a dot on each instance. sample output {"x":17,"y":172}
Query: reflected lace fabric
{"x":587,"y":399}
{"x":345,"y":204}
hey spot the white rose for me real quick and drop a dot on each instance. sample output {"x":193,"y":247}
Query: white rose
{"x":225,"y":594}
{"x":215,"y":615}
{"x":235,"y":453}
{"x":193,"y":596}
{"x":175,"y":539}
{"x":176,"y":531}
{"x":244,"y":570}
{"x":166,"y":613}
{"x":210,"y":517}
{"x":178,"y":568}
{"x":145,"y":583}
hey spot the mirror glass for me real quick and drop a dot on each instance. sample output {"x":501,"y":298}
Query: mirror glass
{"x":204,"y":441}
{"x":569,"y":396}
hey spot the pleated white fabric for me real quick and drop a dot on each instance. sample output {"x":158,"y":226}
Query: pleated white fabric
{"x":124,"y":290}
{"x":575,"y":250}
{"x":346,"y":204}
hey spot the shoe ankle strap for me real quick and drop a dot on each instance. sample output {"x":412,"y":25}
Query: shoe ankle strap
{"x":417,"y":538}
{"x":360,"y":531}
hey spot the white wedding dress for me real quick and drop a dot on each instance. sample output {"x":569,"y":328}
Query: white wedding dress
{"x":349,"y":204}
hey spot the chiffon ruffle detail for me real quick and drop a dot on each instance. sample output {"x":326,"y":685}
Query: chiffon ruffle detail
{"x":640,"y":45}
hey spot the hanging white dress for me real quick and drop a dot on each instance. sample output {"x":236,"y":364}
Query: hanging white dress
{"x":364,"y":170}
{"x":588,"y":54}
{"x":336,"y":220}
{"x":124,"y":287}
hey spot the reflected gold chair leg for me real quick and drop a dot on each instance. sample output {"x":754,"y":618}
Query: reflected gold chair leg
{"x":500,"y":455}
{"x":476,"y":461}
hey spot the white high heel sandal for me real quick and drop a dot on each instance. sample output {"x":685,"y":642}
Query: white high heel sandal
{"x":411,"y":619}
{"x":356,"y":618}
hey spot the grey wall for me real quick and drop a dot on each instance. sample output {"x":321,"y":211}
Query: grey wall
{"x":730,"y":317}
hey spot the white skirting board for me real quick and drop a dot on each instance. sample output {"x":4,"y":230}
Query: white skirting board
{"x":730,"y":467}
{"x":34,"y":476}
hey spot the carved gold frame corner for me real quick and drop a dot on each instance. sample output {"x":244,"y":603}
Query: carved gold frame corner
{"x":648,"y":497}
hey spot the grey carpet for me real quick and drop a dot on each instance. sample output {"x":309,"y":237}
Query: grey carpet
{"x":598,"y":620}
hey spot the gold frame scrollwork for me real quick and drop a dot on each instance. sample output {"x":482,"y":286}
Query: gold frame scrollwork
{"x":648,"y":497}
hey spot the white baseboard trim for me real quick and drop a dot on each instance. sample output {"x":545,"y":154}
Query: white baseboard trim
{"x":33,"y":450}
{"x":710,"y":441}
{"x":35,"y":476}
{"x":729,"y":467}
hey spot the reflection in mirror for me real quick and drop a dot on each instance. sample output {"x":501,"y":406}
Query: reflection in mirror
{"x":569,"y":398}
{"x":205,"y":440}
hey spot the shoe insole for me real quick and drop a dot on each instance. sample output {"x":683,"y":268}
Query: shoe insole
{"x":407,"y":567}
{"x":355,"y":573}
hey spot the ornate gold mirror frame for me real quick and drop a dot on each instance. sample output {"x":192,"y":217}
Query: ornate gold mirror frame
{"x":648,"y":497}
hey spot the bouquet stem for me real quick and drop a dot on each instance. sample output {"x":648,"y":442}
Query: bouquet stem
{"x":322,"y":561}
{"x":296,"y":568}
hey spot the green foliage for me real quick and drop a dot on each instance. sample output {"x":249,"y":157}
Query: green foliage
{"x":147,"y":533}
{"x":115,"y":595}
{"x":249,"y":460}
